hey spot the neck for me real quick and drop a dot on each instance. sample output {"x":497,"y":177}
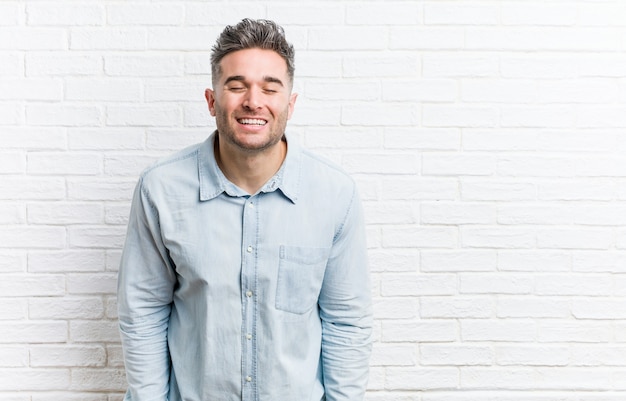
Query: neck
{"x":249,"y":170}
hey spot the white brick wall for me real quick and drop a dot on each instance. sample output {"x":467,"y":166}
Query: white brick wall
{"x":487,"y":138}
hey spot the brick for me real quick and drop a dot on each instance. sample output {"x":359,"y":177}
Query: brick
{"x":106,"y":138}
{"x":34,"y":379}
{"x":532,"y":355}
{"x":88,"y":379}
{"x":90,"y":331}
{"x":108,"y":39}
{"x":457,"y":260}
{"x":358,"y":65}
{"x":579,"y":238}
{"x":601,"y":14}
{"x":67,"y":356}
{"x":541,"y":39}
{"x":426,"y":90}
{"x":347,"y":38}
{"x":145,"y":14}
{"x":534,"y":65}
{"x":11,"y":114}
{"x":456,"y":307}
{"x":605,"y":116}
{"x":29,"y":38}
{"x":11,"y":356}
{"x":333,"y":91}
{"x":539,"y":14}
{"x":32,"y":237}
{"x":444,"y":65}
{"x":62,"y":163}
{"x":573,"y":285}
{"x":115,"y":357}
{"x":500,"y":283}
{"x":576,"y":189}
{"x":25,"y":138}
{"x":530,"y":307}
{"x":10,"y":63}
{"x":64,"y":14}
{"x":73,"y":64}
{"x":422,"y":378}
{"x":420,"y":237}
{"x":148,"y":65}
{"x":400,"y":260}
{"x":31,"y":89}
{"x":208,"y":14}
{"x":12,"y":261}
{"x":389,"y":213}
{"x":449,"y":13}
{"x":498,"y":90}
{"x":479,"y":377}
{"x":64,"y":213}
{"x":66,"y":261}
{"x":65,"y":308}
{"x":395,"y":308}
{"x":196,"y":115}
{"x":497,"y":237}
{"x":419,"y":188}
{"x":101,"y":189}
{"x":13,"y":309}
{"x":107,"y":90}
{"x":33,"y":332}
{"x":458,"y":164}
{"x":117,"y":214}
{"x":186,"y":39}
{"x":10,"y":14}
{"x":356,"y":138}
{"x":518,"y":330}
{"x":553,"y":116}
{"x":590,"y":355}
{"x":97,"y":237}
{"x":66,"y":396}
{"x":424,"y":139}
{"x":173,"y":90}
{"x":599,"y":309}
{"x":455,"y":355}
{"x":432,"y":38}
{"x":127,"y":164}
{"x":534,"y":260}
{"x":433,"y":330}
{"x":399,"y":114}
{"x":316,"y":114}
{"x":92,"y":283}
{"x":578,"y":91}
{"x":457,"y":213}
{"x":599,"y":261}
{"x":380,"y":163}
{"x":497,"y":190}
{"x":12,"y":163}
{"x":393,"y":355}
{"x":50,"y":188}
{"x":63,"y":115}
{"x":459,"y":116}
{"x":110,"y":307}
{"x":24,"y":285}
{"x":148,"y":115}
{"x":541,"y":213}
{"x":418,"y":284}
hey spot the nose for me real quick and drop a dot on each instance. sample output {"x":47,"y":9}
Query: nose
{"x":252,"y":101}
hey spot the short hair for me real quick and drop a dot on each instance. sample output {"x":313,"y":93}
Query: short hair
{"x":252,"y":34}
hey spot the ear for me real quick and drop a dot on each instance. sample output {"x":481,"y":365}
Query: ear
{"x":292,"y":103}
{"x":209,"y":95}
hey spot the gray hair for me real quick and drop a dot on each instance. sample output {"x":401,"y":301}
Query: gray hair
{"x":251,"y":34}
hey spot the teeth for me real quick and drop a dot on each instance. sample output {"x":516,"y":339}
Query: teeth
{"x":252,"y":121}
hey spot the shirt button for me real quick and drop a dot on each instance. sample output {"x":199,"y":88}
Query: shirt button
{"x":249,"y":249}
{"x":251,"y":204}
{"x":248,"y":293}
{"x":248,"y":379}
{"x":249,"y":336}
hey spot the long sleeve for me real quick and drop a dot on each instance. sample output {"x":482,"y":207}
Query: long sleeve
{"x":145,"y":287}
{"x":346,"y":312}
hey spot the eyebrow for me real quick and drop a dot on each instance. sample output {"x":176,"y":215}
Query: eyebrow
{"x":241,"y":78}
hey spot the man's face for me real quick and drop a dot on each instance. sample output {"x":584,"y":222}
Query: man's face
{"x":252,"y":100}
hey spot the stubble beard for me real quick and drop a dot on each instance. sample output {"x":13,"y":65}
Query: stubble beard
{"x":227,"y":132}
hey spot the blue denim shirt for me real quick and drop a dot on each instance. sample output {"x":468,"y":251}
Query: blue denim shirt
{"x":225,"y":296}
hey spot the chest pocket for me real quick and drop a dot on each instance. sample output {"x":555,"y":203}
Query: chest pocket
{"x":300,"y":275}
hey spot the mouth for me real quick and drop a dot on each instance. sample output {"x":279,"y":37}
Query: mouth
{"x":252,"y":121}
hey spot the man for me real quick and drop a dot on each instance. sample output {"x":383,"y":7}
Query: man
{"x":244,"y":275}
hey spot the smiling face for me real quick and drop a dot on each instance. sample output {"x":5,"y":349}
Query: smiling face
{"x":252,"y":100}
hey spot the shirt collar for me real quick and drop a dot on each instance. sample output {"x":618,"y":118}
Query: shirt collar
{"x":213,"y":182}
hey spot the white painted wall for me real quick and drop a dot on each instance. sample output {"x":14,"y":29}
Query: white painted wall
{"x":487,"y":138}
